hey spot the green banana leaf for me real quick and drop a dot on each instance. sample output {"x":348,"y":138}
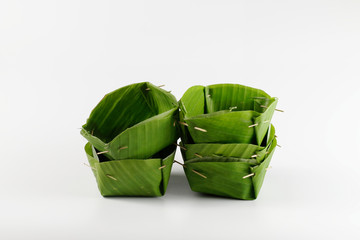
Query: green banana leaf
{"x":225,"y":113}
{"x":132,"y":177}
{"x":234,"y":179}
{"x":133,"y":122}
{"x":247,"y":152}
{"x":251,"y":161}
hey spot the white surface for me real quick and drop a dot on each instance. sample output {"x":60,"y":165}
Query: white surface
{"x":58,"y":58}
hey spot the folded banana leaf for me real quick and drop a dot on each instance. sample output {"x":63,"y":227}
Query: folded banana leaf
{"x":133,"y":122}
{"x":132,"y":177}
{"x":225,"y":113}
{"x":228,"y":177}
{"x":247,"y":152}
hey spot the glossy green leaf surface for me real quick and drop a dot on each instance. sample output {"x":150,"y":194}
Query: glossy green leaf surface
{"x":226,"y":178}
{"x":132,"y":177}
{"x":133,"y":122}
{"x":225,"y":113}
{"x":248,"y":152}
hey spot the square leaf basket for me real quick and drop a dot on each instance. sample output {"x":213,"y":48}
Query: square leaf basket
{"x":227,"y":139}
{"x":131,"y":136}
{"x":132,"y":177}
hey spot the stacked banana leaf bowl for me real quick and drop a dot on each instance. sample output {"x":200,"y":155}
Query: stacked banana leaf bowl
{"x":227,"y":140}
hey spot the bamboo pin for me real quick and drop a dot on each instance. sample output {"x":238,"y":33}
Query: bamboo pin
{"x":90,"y":166}
{"x":102,"y":152}
{"x":249,"y":175}
{"x":279,"y":110}
{"x":111,"y":177}
{"x":201,"y":175}
{"x":183,"y":123}
{"x":182,"y":147}
{"x":231,"y":108}
{"x":200,"y":129}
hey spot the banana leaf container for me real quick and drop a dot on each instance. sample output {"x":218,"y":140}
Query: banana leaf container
{"x":225,"y":174}
{"x":131,"y":177}
{"x":131,"y":135}
{"x":225,"y":113}
{"x":133,"y":122}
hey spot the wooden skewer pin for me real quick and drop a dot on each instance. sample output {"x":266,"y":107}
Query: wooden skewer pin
{"x":200,"y":129}
{"x":179,"y":163}
{"x":90,"y":166}
{"x":249,"y":175}
{"x":279,"y":110}
{"x":232,"y":108}
{"x":102,"y":152}
{"x":201,"y":175}
{"x":183,"y":123}
{"x":253,"y":125}
{"x":182,"y":147}
{"x":111,"y":177}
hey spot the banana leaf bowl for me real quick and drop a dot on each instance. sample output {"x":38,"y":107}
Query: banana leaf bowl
{"x":131,"y":177}
{"x":225,"y":113}
{"x":133,"y":122}
{"x":228,"y":175}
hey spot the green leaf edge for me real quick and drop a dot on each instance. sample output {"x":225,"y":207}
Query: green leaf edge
{"x":245,"y":156}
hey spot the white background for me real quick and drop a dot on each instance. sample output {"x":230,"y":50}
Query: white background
{"x":58,"y":59}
